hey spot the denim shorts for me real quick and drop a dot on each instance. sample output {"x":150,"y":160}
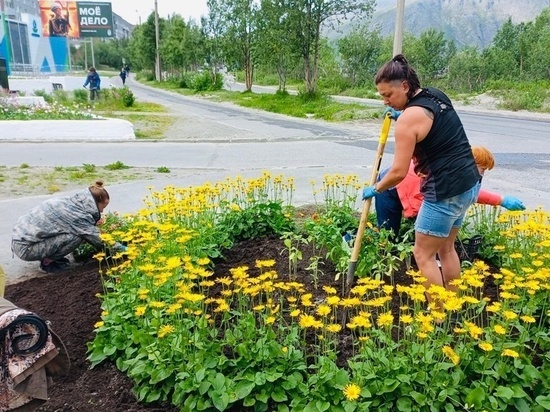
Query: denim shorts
{"x":438,"y":218}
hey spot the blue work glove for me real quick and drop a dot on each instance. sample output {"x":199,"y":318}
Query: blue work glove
{"x":119,"y":247}
{"x":512,"y":203}
{"x":369,"y":192}
{"x":394,"y":114}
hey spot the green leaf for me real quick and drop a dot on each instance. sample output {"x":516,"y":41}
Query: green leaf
{"x":476,"y":397}
{"x":199,"y":376}
{"x":249,"y":401}
{"x":109,"y":350}
{"x":279,"y":395}
{"x":243,"y":389}
{"x":282,"y":408}
{"x":504,"y":393}
{"x":418,"y":397}
{"x":262,"y":396}
{"x":220,"y":401}
{"x":543,"y":401}
{"x":322,"y":406}
{"x":219,"y":382}
{"x":404,"y":404}
{"x":341,"y":378}
{"x":160,"y":374}
{"x":522,"y":406}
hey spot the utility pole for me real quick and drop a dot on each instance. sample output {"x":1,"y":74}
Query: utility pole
{"x":157,"y":59}
{"x":398,"y":36}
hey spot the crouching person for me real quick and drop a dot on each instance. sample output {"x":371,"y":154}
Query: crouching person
{"x":57,"y":226}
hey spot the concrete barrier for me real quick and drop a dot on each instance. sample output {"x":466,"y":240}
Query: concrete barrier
{"x":66,"y":130}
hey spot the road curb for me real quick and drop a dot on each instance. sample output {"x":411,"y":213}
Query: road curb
{"x":66,"y":130}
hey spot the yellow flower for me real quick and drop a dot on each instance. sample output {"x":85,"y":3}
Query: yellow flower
{"x":295,"y":313}
{"x":330,"y":290}
{"x":499,"y":330}
{"x":509,"y":315}
{"x":451,"y":354}
{"x":352,"y":392}
{"x":333,"y":300}
{"x":165,"y":330}
{"x":323,"y":310}
{"x":406,"y":319}
{"x":528,"y":319}
{"x":486,"y":346}
{"x":99,"y":324}
{"x":385,"y":319}
{"x":510,"y":352}
{"x":334,"y":328}
{"x":269,"y":320}
{"x":265,"y":263}
{"x":140,"y":310}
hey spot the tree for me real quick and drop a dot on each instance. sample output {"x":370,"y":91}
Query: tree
{"x":142,"y":43}
{"x":236,"y":20}
{"x":429,"y":54}
{"x":360,"y":51}
{"x":274,"y":41}
{"x":183,"y":45}
{"x":306,"y":19}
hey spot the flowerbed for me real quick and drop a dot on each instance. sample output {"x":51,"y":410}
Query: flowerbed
{"x":261,"y":339}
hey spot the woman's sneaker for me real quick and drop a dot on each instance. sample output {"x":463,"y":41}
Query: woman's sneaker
{"x":53,"y":267}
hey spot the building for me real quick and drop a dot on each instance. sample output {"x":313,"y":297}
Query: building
{"x":28,"y":47}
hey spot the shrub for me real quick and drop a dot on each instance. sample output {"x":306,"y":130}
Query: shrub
{"x":43,"y":93}
{"x":128,"y":98}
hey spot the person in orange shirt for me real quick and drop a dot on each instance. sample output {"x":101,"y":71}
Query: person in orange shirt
{"x":405,"y":198}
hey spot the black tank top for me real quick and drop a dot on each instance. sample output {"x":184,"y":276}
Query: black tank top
{"x":444,"y":158}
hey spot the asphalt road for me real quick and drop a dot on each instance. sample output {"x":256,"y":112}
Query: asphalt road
{"x":244,"y":142}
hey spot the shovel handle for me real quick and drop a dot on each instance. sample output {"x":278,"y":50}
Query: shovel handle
{"x":384,"y":132}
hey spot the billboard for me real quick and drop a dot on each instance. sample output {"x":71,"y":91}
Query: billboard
{"x":76,"y":18}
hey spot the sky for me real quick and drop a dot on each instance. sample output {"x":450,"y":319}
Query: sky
{"x":133,"y":10}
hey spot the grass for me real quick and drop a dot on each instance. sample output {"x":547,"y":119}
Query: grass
{"x":32,"y":181}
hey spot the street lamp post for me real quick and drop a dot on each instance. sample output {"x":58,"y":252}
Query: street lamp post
{"x":157,"y":58}
{"x":398,"y":36}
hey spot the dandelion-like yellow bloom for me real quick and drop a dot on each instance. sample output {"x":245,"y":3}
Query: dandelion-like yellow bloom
{"x":494,"y":307}
{"x":407,"y":319}
{"x":486,"y":346}
{"x":333,"y":300}
{"x":385,"y":319}
{"x":509,"y":352}
{"x":528,"y":319}
{"x":323,"y":310}
{"x":270,"y":320}
{"x":334,"y":328}
{"x":265,"y":263}
{"x":474,"y":330}
{"x":295,"y":313}
{"x":509,"y":315}
{"x":140,"y":310}
{"x":453,"y":304}
{"x":499,"y":329}
{"x":165,"y":330}
{"x":157,"y":304}
{"x":308,"y":321}
{"x":451,"y":354}
{"x":352,"y":392}
{"x":330,"y":290}
{"x":99,"y":324}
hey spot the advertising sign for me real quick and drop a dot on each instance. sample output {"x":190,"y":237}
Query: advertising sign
{"x":76,"y":18}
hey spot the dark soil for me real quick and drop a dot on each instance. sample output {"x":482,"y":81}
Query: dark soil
{"x":69,"y":302}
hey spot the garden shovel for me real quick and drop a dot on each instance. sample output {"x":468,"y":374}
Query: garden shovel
{"x":366,"y":207}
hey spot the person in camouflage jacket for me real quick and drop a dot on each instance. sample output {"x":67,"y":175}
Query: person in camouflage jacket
{"x":56,"y":227}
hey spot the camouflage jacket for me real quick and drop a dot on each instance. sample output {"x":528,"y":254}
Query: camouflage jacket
{"x":76,"y":214}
